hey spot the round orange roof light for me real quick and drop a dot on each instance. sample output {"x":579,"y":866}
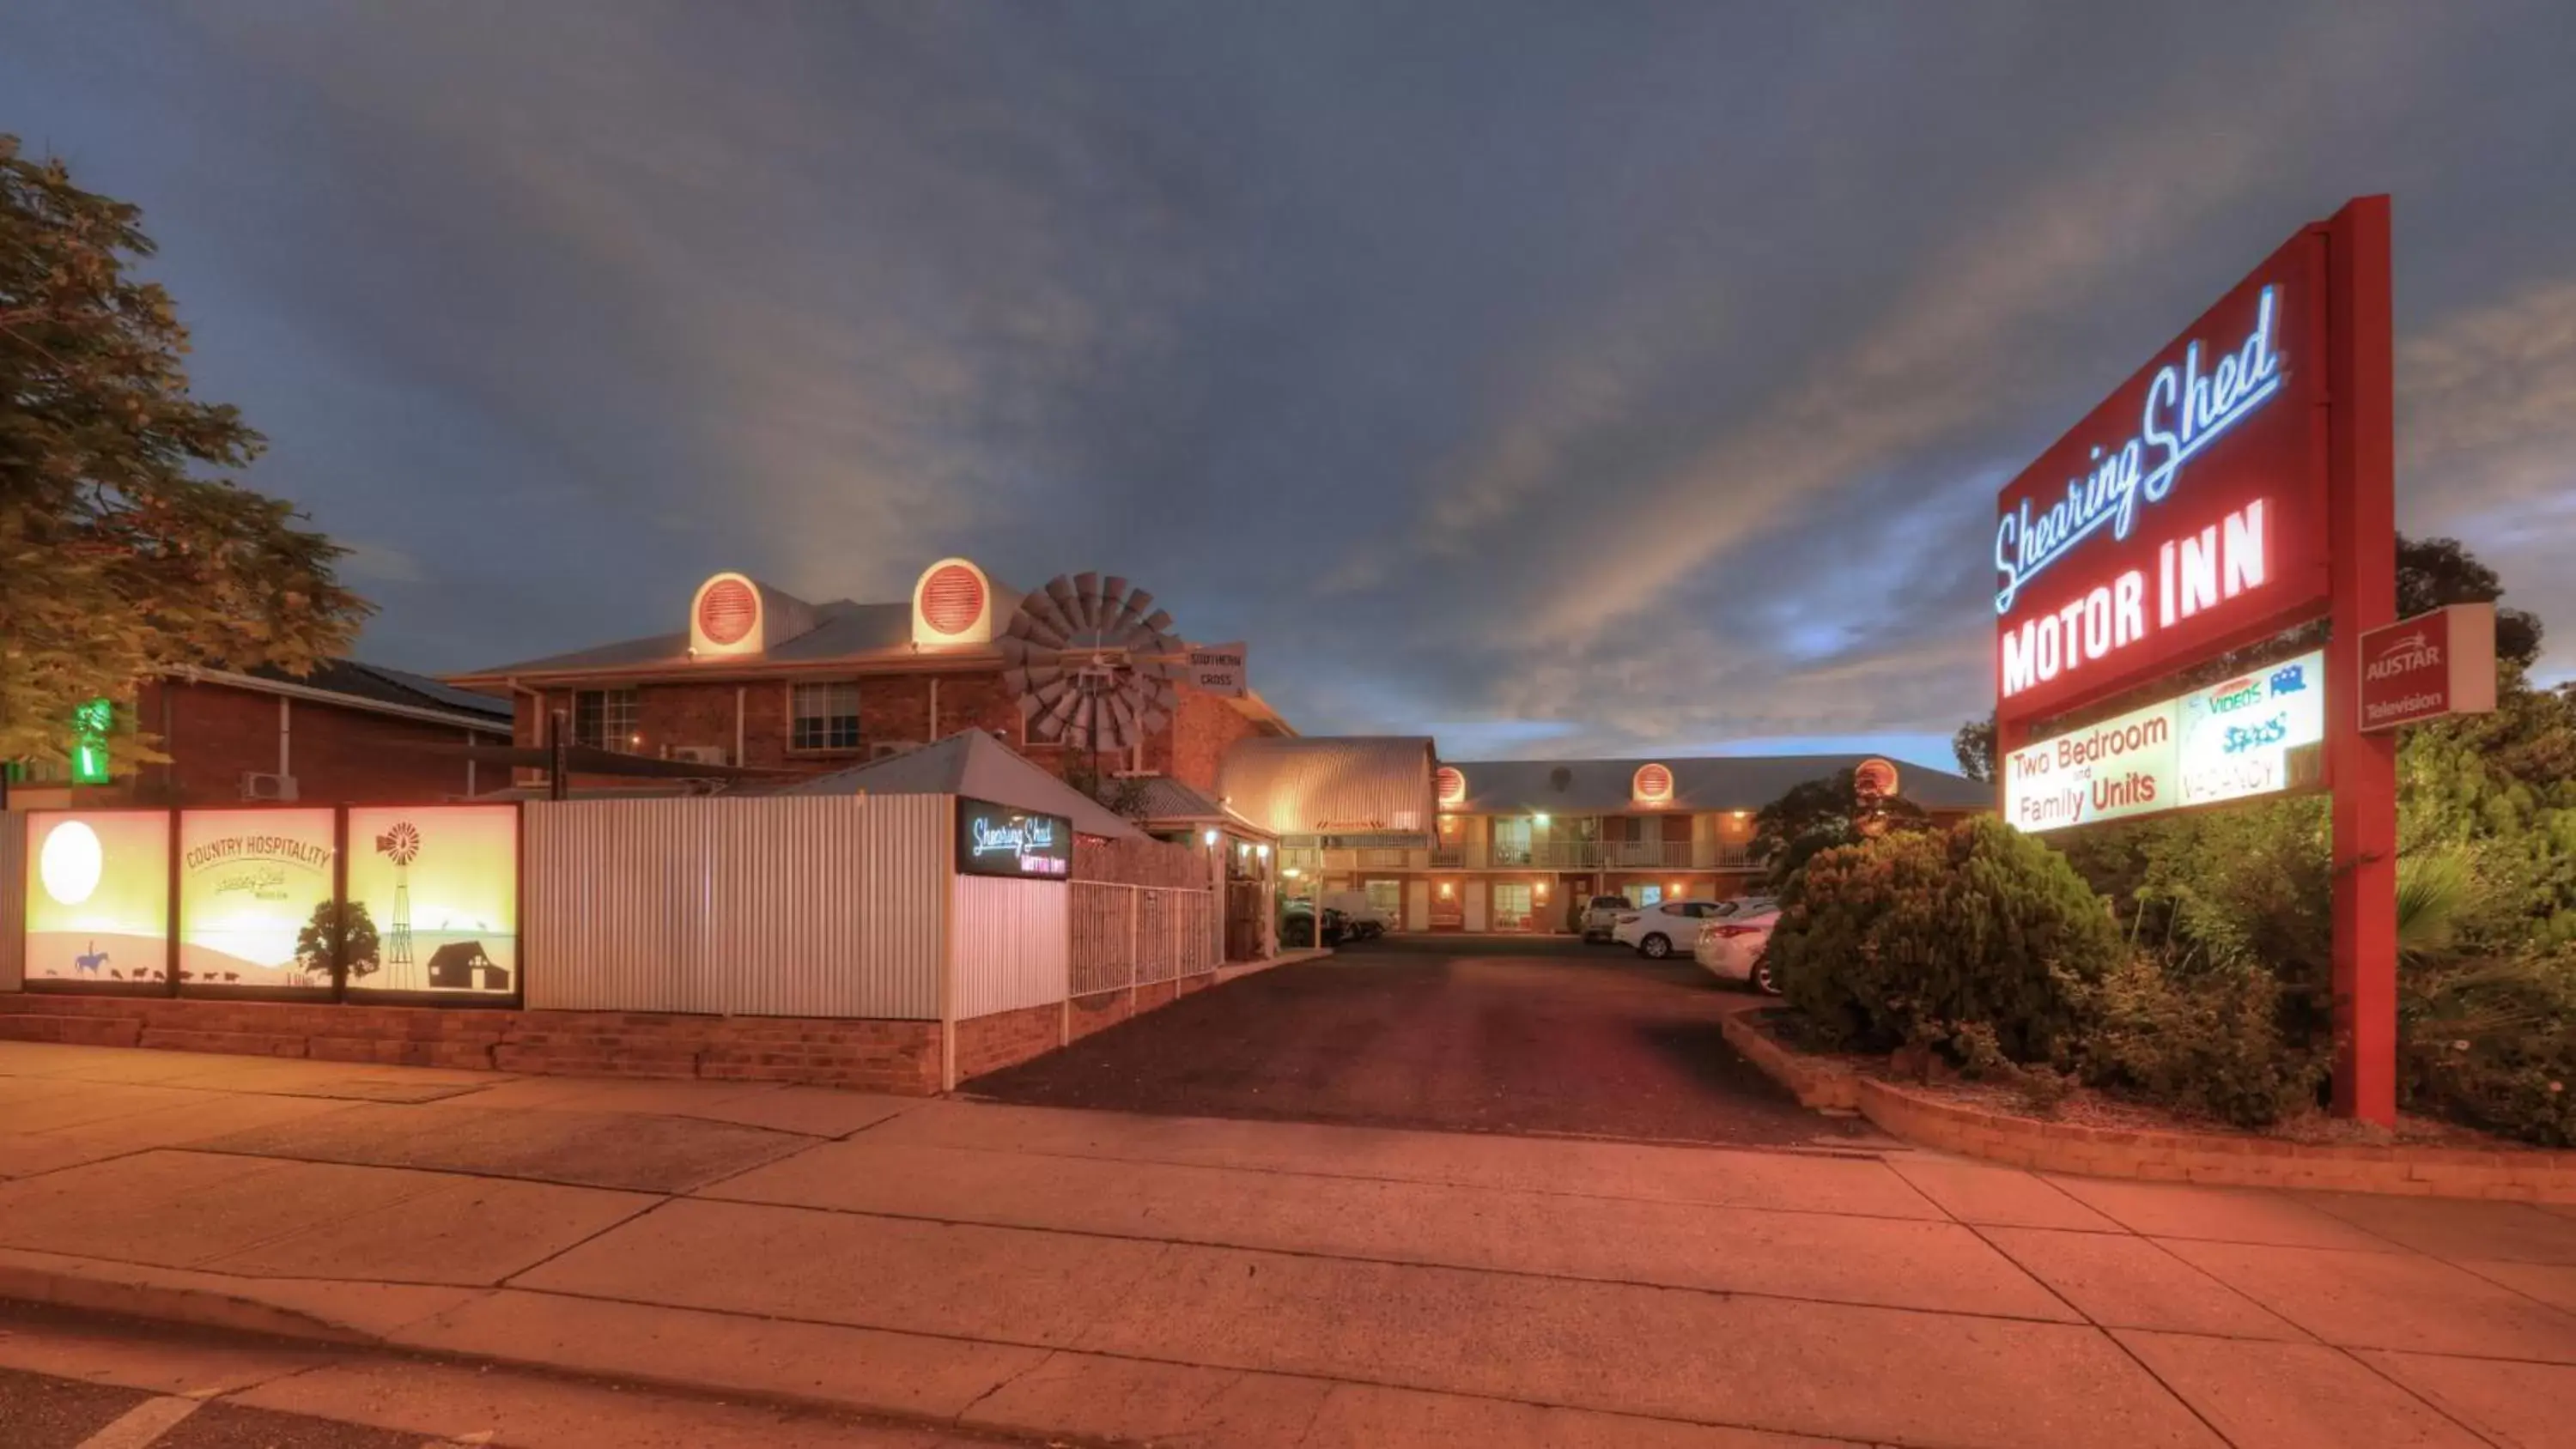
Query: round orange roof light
{"x":727,"y":610}
{"x":952,"y":599}
{"x":1451,"y":783}
{"x":1653,"y":785}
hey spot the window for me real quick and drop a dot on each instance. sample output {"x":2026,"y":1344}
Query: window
{"x":823,"y":717}
{"x":605,"y":719}
{"x":1646,"y":895}
{"x":1387,"y":896}
{"x":1512,"y":840}
{"x":1511,"y":906}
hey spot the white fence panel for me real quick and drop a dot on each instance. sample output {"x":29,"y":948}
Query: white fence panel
{"x":781,"y":906}
{"x":1013,"y":944}
{"x":13,"y":899}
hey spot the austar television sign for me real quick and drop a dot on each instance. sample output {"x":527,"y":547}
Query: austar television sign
{"x":2185,"y":515}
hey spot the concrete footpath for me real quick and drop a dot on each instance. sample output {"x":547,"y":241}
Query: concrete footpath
{"x":1095,"y":1277}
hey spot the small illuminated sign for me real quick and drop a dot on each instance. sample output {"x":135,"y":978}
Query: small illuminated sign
{"x":2435,"y":664}
{"x":2250,"y":735}
{"x":98,"y":896}
{"x":439,"y":886}
{"x":1451,"y":783}
{"x":92,"y":723}
{"x":258,"y":904}
{"x":1652,"y":785}
{"x":1002,"y":840}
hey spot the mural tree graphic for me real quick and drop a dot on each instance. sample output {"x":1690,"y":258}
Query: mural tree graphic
{"x":342,"y":932}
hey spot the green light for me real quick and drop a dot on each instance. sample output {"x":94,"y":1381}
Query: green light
{"x":91,"y":724}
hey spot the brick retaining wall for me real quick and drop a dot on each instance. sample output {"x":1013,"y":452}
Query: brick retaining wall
{"x":881,"y":1056}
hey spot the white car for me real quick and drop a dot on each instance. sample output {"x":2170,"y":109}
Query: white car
{"x":1660,"y":930}
{"x":1732,"y":946}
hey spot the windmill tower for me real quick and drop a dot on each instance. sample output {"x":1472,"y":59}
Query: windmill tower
{"x":401,"y":845}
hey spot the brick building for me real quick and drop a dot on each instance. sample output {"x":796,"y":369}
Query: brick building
{"x":1518,"y":844}
{"x":348,"y":733}
{"x":760,"y":679}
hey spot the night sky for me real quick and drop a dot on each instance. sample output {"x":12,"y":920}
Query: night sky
{"x":1558,"y":378}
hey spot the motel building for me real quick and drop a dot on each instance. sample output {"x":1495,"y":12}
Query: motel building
{"x":1523,"y":845}
{"x":758,"y":686}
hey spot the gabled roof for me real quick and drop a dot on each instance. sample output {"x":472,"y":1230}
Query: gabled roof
{"x":1168,"y":802}
{"x":1726,"y":782}
{"x":971,"y":762}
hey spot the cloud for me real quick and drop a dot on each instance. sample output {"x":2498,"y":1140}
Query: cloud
{"x":1629,"y":377}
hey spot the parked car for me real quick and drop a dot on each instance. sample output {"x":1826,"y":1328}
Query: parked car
{"x":1362,"y":918}
{"x":1737,"y":946}
{"x":1601,"y":913}
{"x":1658,"y":931}
{"x":1297,"y":925}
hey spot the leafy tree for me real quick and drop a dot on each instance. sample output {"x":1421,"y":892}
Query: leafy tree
{"x":1974,"y":744}
{"x":1821,"y":814}
{"x":122,"y":561}
{"x":341,"y":931}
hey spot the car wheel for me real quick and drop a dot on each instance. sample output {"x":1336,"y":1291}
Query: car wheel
{"x":1655,"y":947}
{"x":1762,"y":979}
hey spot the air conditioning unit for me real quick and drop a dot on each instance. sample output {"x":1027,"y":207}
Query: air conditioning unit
{"x":887,"y":749}
{"x":695,"y":754}
{"x":262,"y":785}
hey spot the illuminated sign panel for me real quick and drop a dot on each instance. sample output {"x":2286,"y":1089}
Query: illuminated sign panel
{"x":98,"y":896}
{"x":1004,"y":840}
{"x":2432,"y":665}
{"x":2185,"y":515}
{"x":438,"y":889}
{"x":256,"y":892}
{"x":2246,"y":736}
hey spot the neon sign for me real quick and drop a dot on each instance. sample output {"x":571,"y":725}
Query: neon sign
{"x":2201,"y":409}
{"x":1006,"y":841}
{"x":91,"y":725}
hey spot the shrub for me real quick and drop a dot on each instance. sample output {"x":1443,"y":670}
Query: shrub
{"x":1922,"y":934}
{"x":2209,"y":1041}
{"x":2493,"y":1043}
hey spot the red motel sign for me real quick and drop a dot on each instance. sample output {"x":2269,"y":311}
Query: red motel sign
{"x":2185,"y":515}
{"x":2435,"y":664}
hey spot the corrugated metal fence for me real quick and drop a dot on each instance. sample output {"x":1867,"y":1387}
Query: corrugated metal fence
{"x":13,"y":899}
{"x":783,"y":906}
{"x":1010,"y":944}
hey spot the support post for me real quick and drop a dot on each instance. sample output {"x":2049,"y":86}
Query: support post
{"x":2362,"y":768}
{"x":948,"y":953}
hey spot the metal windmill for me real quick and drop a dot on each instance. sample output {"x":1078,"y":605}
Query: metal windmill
{"x":1093,"y":668}
{"x":401,"y":845}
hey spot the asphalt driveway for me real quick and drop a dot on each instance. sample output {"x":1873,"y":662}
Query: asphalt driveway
{"x":1535,"y":1037}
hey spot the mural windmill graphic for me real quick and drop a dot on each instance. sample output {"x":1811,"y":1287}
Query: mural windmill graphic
{"x":401,"y":845}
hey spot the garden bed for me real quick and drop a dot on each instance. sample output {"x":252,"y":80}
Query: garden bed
{"x":2091,"y":1133}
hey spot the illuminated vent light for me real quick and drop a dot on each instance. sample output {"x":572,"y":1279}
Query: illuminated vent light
{"x":1452,"y":783}
{"x":952,"y":599}
{"x":727,"y":611}
{"x":1653,"y":785}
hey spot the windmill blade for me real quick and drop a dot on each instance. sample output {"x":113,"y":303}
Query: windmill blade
{"x":1040,"y":676}
{"x":1152,"y":722}
{"x":1014,"y":650}
{"x":1086,"y":596}
{"x":1159,"y":621}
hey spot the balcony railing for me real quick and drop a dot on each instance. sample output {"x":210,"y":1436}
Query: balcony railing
{"x":1448,"y":856}
{"x":1643,"y":855}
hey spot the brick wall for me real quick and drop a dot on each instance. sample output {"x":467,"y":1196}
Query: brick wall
{"x":216,"y":733}
{"x":884,"y":1056}
{"x":1006,"y":1039}
{"x":1205,"y":727}
{"x":893,"y":709}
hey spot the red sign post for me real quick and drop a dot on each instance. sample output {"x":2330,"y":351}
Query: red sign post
{"x":2236,"y":486}
{"x":2435,"y":664}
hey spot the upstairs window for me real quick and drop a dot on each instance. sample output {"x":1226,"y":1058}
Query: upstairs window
{"x":823,"y":717}
{"x":605,"y":719}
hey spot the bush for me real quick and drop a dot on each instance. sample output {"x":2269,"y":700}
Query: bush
{"x":2209,"y":1041}
{"x":1914,"y":936}
{"x":2493,"y":1043}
